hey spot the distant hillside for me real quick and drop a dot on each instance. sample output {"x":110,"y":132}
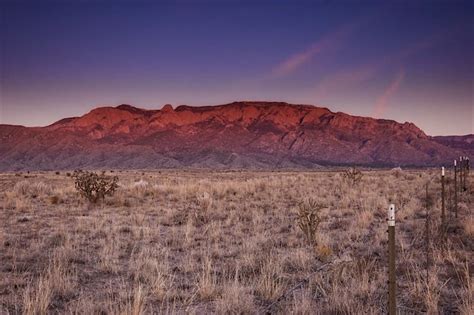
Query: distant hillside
{"x":236,"y":135}
{"x":462,"y":143}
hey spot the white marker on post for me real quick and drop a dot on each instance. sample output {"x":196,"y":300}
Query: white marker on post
{"x":391,"y":215}
{"x":442,"y":171}
{"x":454,"y":162}
{"x":392,"y":275}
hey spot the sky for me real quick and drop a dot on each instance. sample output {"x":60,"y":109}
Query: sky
{"x":403,"y":60}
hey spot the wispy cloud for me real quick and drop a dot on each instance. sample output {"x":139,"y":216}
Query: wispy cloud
{"x":328,"y":42}
{"x":382,"y":102}
{"x":344,"y":79}
{"x":355,"y":76}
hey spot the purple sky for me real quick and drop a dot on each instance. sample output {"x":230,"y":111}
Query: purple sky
{"x":403,"y":60}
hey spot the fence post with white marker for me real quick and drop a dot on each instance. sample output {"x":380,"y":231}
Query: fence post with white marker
{"x":465,"y":160}
{"x":392,"y":284}
{"x":467,"y":172}
{"x":428,"y":232}
{"x":443,"y":214}
{"x":455,"y":190}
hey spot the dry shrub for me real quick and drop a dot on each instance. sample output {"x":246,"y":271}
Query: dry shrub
{"x":309,"y":218}
{"x":425,"y":291}
{"x":468,"y":224}
{"x":235,"y":298}
{"x":141,"y":188}
{"x":270,"y":285}
{"x":207,"y":285}
{"x":397,"y":172}
{"x":467,"y":300}
{"x":204,"y":201}
{"x":54,"y":200}
{"x":35,"y":189}
{"x":348,"y":287}
{"x":260,"y":186}
{"x":323,"y":252}
{"x":136,"y":305}
{"x":37,"y":298}
{"x":146,"y":268}
{"x":353,"y":176}
{"x":57,"y":281}
{"x":95,"y":187}
{"x":303,"y":303}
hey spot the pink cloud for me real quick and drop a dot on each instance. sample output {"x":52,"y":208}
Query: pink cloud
{"x":382,"y":102}
{"x":347,"y":78}
{"x":330,"y":41}
{"x":344,"y":79}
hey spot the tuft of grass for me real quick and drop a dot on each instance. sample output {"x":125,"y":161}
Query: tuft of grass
{"x":207,"y":282}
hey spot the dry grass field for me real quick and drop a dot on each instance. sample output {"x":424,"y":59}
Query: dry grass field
{"x":204,"y":242}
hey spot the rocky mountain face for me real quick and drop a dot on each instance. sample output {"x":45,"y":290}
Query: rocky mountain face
{"x":462,"y":143}
{"x":236,"y":135}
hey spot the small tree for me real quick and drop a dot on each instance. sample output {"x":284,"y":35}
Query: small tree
{"x":352,"y":175}
{"x":94,"y":187}
{"x":309,"y":219}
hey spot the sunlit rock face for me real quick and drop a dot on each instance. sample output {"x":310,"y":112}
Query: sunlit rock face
{"x":236,"y":135}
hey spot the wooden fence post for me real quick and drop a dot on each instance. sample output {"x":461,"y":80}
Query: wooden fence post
{"x":466,"y":181}
{"x":392,"y":284}
{"x":465,"y":160}
{"x":427,"y":232}
{"x":455,"y":190}
{"x":443,"y":213}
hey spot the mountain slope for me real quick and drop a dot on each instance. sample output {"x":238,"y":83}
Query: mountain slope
{"x":238,"y":135}
{"x":462,"y":143}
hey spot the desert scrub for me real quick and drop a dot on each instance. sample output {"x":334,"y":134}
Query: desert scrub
{"x":204,"y":203}
{"x":54,"y":200}
{"x":353,"y":176}
{"x":95,"y":187}
{"x":245,"y":257}
{"x":309,"y":218}
{"x":31,"y":189}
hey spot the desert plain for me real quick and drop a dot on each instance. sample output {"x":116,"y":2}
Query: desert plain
{"x":228,"y":242}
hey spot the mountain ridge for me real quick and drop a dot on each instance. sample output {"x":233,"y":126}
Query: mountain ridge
{"x":247,"y":134}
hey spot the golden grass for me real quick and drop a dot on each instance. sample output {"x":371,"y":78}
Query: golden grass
{"x":229,"y":242}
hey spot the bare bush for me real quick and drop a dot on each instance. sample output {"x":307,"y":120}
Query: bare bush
{"x":309,"y":218}
{"x":353,"y":176}
{"x":93,"y":186}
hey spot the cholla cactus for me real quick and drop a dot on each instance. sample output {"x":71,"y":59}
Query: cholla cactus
{"x":352,"y":175}
{"x":95,"y":187}
{"x":309,"y":219}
